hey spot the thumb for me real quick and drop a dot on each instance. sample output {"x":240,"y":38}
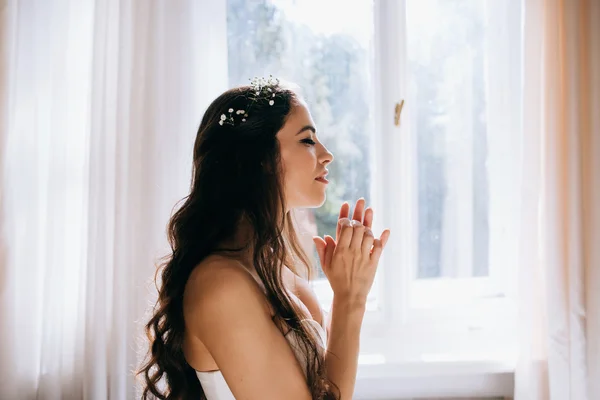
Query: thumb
{"x":320,"y":244}
{"x":331,"y":245}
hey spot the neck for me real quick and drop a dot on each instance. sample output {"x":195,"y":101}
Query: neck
{"x":241,"y":239}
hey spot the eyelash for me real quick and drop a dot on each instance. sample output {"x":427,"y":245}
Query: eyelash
{"x":309,"y":142}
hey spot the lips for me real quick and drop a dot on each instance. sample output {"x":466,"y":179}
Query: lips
{"x":323,"y":175}
{"x":321,"y":178}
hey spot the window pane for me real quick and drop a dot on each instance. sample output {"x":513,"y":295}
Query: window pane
{"x":329,"y":59}
{"x":447,"y":83}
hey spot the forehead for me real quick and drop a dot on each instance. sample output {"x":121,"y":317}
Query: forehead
{"x":299,"y":117}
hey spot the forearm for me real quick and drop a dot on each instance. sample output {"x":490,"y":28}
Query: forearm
{"x":343,"y":345}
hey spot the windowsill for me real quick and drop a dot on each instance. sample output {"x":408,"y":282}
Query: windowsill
{"x":435,"y":378}
{"x":437,"y":362}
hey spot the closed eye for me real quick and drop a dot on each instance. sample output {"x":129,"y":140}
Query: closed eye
{"x":308,"y":141}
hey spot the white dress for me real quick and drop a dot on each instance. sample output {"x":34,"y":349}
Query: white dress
{"x":213,"y":382}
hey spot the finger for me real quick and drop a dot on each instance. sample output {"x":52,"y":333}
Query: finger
{"x":368,"y":220}
{"x":346,"y":231}
{"x":367,"y":242}
{"x":329,"y":249}
{"x":384,"y":237}
{"x":344,"y":213}
{"x":344,"y":210}
{"x":359,"y":209}
{"x":320,"y":244}
{"x":357,"y":236}
{"x":376,"y":252}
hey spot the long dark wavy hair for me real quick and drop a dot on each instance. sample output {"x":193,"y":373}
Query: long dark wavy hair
{"x":237,"y":173}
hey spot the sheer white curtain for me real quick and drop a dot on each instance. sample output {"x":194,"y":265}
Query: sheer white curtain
{"x":559,"y":274}
{"x":99,"y":103}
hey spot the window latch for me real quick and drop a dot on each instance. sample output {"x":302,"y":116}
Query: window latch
{"x":397,"y":112}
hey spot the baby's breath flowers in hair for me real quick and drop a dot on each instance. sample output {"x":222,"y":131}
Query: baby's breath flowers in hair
{"x":228,"y":119}
{"x":263,"y":89}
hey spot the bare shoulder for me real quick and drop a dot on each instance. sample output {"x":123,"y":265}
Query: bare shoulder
{"x":217,"y":285}
{"x":226,"y":309}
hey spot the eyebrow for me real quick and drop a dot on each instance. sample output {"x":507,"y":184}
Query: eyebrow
{"x":307,"y":128}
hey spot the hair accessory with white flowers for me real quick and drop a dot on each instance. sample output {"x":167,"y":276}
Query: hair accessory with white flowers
{"x":262,"y":89}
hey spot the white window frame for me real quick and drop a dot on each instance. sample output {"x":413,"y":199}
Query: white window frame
{"x":399,"y":204}
{"x":404,"y":299}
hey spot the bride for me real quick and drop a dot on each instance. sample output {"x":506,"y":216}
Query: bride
{"x":236,"y":317}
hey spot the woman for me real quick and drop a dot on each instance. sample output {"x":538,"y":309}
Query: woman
{"x":235,"y":318}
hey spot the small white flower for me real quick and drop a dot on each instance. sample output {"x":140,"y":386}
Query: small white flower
{"x":223,"y":117}
{"x":221,"y":122}
{"x":243,"y":119}
{"x":231,"y":110}
{"x":246,"y":115}
{"x":271,"y":102}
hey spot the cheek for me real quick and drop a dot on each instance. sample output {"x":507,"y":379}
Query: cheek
{"x":299,"y":162}
{"x":298,"y":170}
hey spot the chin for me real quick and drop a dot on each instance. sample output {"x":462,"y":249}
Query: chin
{"x":318,"y":202}
{"x":309,"y":198}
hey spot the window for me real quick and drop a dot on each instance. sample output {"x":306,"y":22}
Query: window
{"x":460,"y":156}
{"x":443,"y":176}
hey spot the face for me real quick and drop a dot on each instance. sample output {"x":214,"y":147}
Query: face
{"x":304,"y":160}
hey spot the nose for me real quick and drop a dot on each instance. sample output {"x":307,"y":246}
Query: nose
{"x":325,"y":157}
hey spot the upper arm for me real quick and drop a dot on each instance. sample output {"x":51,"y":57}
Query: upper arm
{"x":226,"y":309}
